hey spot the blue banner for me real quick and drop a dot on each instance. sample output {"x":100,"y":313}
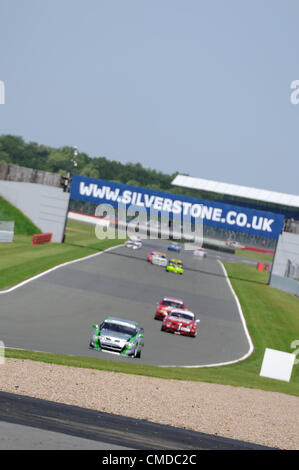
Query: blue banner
{"x":212,"y":213}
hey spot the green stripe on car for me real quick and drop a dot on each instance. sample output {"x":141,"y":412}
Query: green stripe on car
{"x":127,"y":347}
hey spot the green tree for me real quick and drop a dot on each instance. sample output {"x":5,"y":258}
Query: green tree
{"x":59,"y":160}
{"x":13,"y":149}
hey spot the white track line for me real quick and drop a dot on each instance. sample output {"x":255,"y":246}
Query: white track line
{"x":251,"y":347}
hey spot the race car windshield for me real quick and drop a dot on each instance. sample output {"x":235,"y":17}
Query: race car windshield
{"x":126,"y":330}
{"x":182,"y":315}
{"x":170,"y":303}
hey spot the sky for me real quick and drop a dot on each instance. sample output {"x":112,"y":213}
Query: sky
{"x":202,"y":87}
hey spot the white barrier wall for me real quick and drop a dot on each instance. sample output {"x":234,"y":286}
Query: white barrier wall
{"x":45,"y":206}
{"x":6,"y":231}
{"x":285,"y":270}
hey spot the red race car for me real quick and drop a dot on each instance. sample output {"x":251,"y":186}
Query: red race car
{"x":149,"y":256}
{"x":166,"y":305}
{"x":181,"y":322}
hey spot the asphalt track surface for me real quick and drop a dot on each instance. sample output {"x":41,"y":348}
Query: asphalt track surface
{"x":29,"y":423}
{"x":54,"y":312}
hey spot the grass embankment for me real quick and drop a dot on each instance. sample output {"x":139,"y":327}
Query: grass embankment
{"x":20,"y":260}
{"x":23,"y":225}
{"x":272,"y":316}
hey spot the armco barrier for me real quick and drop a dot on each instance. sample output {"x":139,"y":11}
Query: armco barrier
{"x":39,"y":239}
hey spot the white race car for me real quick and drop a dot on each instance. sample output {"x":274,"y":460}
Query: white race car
{"x":159,"y":259}
{"x":200,"y":252}
{"x":233,"y":244}
{"x":134,"y":243}
{"x":118,"y":336}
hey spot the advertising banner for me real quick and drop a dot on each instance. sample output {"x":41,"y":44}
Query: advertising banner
{"x":212,"y":213}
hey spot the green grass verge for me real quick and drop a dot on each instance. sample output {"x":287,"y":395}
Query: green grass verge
{"x":272,"y":316}
{"x":23,"y":226}
{"x":20,"y":260}
{"x":267,"y":258}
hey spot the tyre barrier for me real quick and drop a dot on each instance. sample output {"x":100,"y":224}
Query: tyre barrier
{"x":262,"y":267}
{"x":39,"y":239}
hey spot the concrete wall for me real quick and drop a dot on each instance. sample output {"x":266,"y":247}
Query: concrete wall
{"x":44,"y":205}
{"x":285,"y":270}
{"x":286,"y":284}
{"x":6,"y":231}
{"x":10,"y":172}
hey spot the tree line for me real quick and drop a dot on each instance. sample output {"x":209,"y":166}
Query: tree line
{"x":14,"y":150}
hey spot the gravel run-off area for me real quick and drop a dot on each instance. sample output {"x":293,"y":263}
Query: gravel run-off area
{"x":265,"y":418}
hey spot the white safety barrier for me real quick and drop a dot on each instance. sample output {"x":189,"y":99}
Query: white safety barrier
{"x":6,"y":231}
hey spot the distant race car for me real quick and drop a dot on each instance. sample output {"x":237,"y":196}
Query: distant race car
{"x":134,"y":243}
{"x":234,"y":244}
{"x":118,"y":336}
{"x":200,"y":252}
{"x":175,"y":266}
{"x":166,"y":305}
{"x":181,"y":322}
{"x":174,"y":247}
{"x":159,"y":259}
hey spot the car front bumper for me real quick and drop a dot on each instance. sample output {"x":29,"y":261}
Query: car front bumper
{"x":179,"y":330}
{"x":111,"y":348}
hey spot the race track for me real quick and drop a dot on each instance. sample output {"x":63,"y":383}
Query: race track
{"x":28,"y":423}
{"x":54,"y":312}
